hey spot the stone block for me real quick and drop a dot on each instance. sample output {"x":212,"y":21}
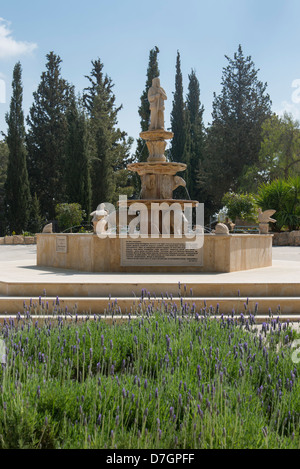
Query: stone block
{"x":18,"y":239}
{"x":9,"y":240}
{"x":1,"y":241}
{"x":29,"y":239}
{"x":281,"y":239}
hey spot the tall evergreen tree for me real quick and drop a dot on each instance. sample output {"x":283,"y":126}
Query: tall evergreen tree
{"x":234,"y":137}
{"x":17,"y":192}
{"x":196,"y":138}
{"x":78,"y":180}
{"x":178,"y":119}
{"x":144,"y":109}
{"x":3,"y":172}
{"x":108,"y":143}
{"x":46,"y":138}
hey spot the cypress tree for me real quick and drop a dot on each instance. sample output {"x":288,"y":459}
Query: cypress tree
{"x":144,"y":108}
{"x":46,"y":137}
{"x":196,"y":137}
{"x":3,"y":171}
{"x":178,"y":119}
{"x":78,"y":180}
{"x":17,"y":192}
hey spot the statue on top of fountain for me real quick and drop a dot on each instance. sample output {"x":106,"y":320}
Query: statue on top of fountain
{"x":156,"y":98}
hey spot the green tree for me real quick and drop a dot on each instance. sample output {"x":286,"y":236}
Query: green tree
{"x":196,"y":139}
{"x":234,"y":137}
{"x":109,"y":145}
{"x":78,"y":179}
{"x":4,"y":152}
{"x":279,"y":155}
{"x":17,"y":192}
{"x":178,"y":119}
{"x":46,"y":137}
{"x":144,"y":108}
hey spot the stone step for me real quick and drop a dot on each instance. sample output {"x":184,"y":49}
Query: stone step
{"x":276,"y":306}
{"x":120,"y":287}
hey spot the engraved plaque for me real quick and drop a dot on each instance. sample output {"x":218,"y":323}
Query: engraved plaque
{"x":61,"y":244}
{"x":160,"y":252}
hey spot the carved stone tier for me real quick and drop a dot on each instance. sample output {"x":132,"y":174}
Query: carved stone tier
{"x":148,"y":202}
{"x":158,"y":179}
{"x":158,"y":216}
{"x":155,"y":140}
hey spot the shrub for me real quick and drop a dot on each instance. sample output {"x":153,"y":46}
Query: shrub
{"x":69,"y":215}
{"x":284,"y":197}
{"x":241,"y":206}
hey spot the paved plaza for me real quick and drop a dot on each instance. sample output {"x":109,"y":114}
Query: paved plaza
{"x":277,"y":286}
{"x":18,"y":263}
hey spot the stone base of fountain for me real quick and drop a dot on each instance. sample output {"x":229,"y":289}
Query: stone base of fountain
{"x":88,"y":253}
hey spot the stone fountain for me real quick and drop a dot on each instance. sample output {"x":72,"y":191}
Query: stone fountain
{"x":150,"y":234}
{"x":158,"y":177}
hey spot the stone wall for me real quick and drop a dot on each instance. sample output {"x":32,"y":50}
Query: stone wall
{"x":286,"y":238}
{"x":18,"y":239}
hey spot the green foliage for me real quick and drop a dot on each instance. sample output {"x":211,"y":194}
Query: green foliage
{"x":195,"y":140}
{"x":4,"y":152}
{"x":17,"y":192}
{"x":46,"y":137}
{"x":234,"y":137}
{"x":144,"y":108}
{"x":78,"y":178}
{"x":109,"y":146}
{"x":69,"y":215}
{"x":284,"y":197}
{"x":280,"y":149}
{"x":35,"y":220}
{"x":241,"y":206}
{"x":178,"y":119}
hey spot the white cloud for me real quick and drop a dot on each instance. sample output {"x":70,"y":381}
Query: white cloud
{"x":9,"y":47}
{"x":290,"y":108}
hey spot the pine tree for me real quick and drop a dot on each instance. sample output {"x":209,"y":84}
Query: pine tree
{"x":196,"y":138}
{"x":108,"y":143}
{"x":178,"y":119}
{"x":234,"y":137}
{"x":144,"y":109}
{"x":17,"y":192}
{"x":78,"y":180}
{"x":46,"y":138}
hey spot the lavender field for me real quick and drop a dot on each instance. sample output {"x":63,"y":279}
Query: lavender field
{"x":170,"y":378}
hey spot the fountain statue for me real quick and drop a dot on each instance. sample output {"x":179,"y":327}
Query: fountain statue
{"x":158,"y":176}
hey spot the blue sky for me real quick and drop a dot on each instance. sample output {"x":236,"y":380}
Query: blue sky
{"x":122,"y":32}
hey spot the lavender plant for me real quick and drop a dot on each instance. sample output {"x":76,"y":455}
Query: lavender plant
{"x":173,"y":377}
